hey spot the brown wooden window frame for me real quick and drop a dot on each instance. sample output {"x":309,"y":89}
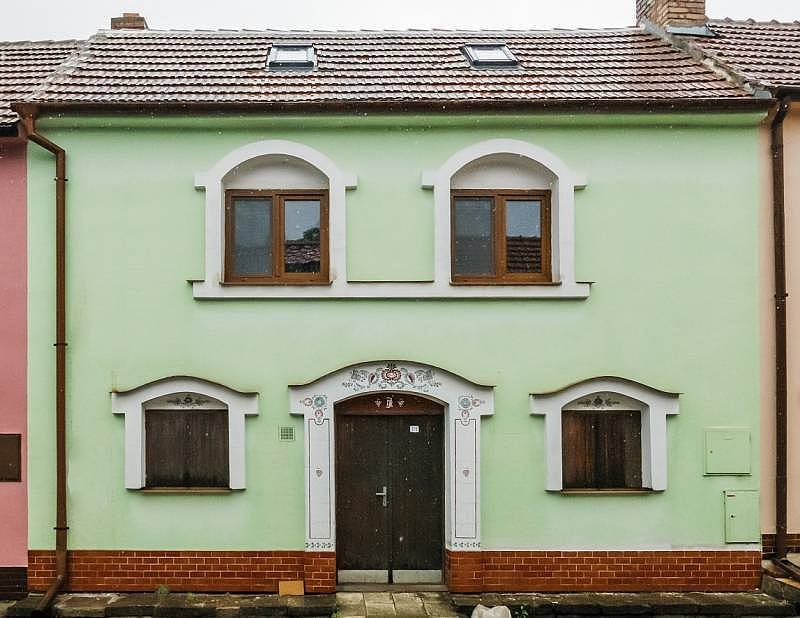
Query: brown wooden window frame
{"x":501,"y":277}
{"x":279,"y":276}
{"x":570,"y":451}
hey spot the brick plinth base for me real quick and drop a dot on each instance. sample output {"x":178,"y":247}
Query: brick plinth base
{"x":206,"y":571}
{"x":320,"y":571}
{"x":612,"y":571}
{"x":12,"y":582}
{"x":768,"y":543}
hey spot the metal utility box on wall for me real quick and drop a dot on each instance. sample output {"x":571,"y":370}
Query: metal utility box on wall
{"x":741,"y":516}
{"x":727,"y":450}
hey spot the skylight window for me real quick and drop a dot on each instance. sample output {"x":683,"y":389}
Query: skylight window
{"x":296,"y":56}
{"x":494,"y":55}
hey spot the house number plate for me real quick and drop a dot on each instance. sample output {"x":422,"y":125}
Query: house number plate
{"x":414,"y":429}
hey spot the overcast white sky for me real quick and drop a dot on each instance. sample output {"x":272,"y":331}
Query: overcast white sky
{"x":61,"y":19}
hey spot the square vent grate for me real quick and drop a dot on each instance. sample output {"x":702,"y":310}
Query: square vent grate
{"x":286,"y":434}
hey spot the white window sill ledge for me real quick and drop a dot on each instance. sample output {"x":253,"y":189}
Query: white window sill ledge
{"x":184,"y":490}
{"x":392,"y":289}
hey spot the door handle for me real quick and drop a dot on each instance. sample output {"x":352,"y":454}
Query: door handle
{"x":384,"y":494}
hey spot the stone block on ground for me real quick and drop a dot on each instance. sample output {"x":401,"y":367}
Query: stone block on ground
{"x":409,"y":604}
{"x":184,"y":606}
{"x":23,"y":607}
{"x":739,"y":603}
{"x":82,"y":605}
{"x":262,"y":605}
{"x":143,"y":604}
{"x":311,"y":605}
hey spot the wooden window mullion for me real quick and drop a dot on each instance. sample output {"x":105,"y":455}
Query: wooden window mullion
{"x":278,"y":247}
{"x":229,"y":240}
{"x":546,"y":232}
{"x":500,"y":237}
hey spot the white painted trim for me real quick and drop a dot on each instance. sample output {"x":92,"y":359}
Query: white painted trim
{"x":654,"y":405}
{"x":362,"y":576}
{"x":132,"y":404}
{"x":417,"y":576}
{"x":212,"y":182}
{"x":563,"y":245}
{"x":389,"y":289}
{"x":465,"y":403}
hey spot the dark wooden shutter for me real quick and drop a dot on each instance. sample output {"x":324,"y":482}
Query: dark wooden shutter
{"x":601,"y":450}
{"x":186,"y":448}
{"x":10,"y":457}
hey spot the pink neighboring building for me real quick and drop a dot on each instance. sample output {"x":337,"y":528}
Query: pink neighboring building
{"x":23,"y":65}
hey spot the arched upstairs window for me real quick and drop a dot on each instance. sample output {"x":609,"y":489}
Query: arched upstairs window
{"x":184,"y":433}
{"x":505,"y":222}
{"x":275,"y":223}
{"x":606,"y":434}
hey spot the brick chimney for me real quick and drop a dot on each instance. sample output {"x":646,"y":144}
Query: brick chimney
{"x":129,"y":21}
{"x":675,"y":13}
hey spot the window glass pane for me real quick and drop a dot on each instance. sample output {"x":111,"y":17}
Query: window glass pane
{"x":489,"y":53}
{"x":252,"y":236}
{"x":302,"y":240}
{"x":474,"y":242}
{"x":523,"y":236}
{"x":291,"y":54}
{"x":186,"y":448}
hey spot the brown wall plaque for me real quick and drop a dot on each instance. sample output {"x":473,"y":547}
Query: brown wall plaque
{"x":10,"y":457}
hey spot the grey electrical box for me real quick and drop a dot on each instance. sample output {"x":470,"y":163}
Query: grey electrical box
{"x":727,"y":450}
{"x":741,"y":516}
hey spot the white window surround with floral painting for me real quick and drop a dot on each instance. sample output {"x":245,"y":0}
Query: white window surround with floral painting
{"x":309,"y":163}
{"x":465,"y":402}
{"x":609,"y":393}
{"x":182,"y":393}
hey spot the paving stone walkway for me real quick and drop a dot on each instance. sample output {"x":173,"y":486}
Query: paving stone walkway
{"x":365,"y":604}
{"x":419,"y":604}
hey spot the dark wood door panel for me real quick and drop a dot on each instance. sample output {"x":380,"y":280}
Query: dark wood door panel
{"x":393,"y":441}
{"x":416,"y":494}
{"x":362,"y":522}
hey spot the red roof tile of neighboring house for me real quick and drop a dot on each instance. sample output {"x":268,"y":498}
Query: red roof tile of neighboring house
{"x":764,"y":54}
{"x":23,"y":66}
{"x":148,"y":66}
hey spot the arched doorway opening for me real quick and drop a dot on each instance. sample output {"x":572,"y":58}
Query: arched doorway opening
{"x":390,"y":496}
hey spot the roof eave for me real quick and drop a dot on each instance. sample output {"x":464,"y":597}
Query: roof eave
{"x":792,"y":92}
{"x":651,"y":105}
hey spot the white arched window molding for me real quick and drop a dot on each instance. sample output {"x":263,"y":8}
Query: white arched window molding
{"x":606,"y":393}
{"x":563,"y":184}
{"x":182,"y":392}
{"x":465,"y":403}
{"x":213,"y":181}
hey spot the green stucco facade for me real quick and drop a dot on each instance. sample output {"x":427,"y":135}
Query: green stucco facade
{"x":666,"y":230}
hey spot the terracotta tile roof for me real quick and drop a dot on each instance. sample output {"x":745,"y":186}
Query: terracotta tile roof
{"x":23,"y":65}
{"x":151,"y":66}
{"x":763,"y":53}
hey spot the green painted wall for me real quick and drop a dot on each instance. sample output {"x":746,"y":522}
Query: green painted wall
{"x":666,"y":228}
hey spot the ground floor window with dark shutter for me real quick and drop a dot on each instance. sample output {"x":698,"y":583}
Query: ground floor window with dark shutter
{"x":186,"y":448}
{"x":601,"y":450}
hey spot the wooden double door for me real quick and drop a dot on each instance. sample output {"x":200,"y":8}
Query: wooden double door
{"x":389,"y":489}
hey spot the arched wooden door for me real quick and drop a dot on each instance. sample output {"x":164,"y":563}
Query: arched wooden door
{"x":389,"y":489}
